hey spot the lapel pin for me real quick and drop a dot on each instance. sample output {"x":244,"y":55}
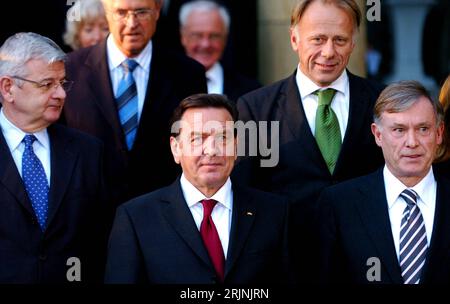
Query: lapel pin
{"x":249,"y":213}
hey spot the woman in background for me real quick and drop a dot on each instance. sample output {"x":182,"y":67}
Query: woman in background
{"x":442,"y":161}
{"x":85,"y":24}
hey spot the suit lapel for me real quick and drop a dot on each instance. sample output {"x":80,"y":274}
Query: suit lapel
{"x":10,"y":176}
{"x":99,"y":81}
{"x":63,"y":159}
{"x":375,"y":217}
{"x":244,"y":212}
{"x":293,"y":112}
{"x":357,"y":113}
{"x":440,"y":241}
{"x":179,"y":216}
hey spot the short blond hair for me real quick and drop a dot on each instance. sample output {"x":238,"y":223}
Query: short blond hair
{"x":349,"y":6}
{"x":89,"y":10}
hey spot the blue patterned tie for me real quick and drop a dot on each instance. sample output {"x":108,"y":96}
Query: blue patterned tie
{"x":127,"y":102}
{"x":413,"y":239}
{"x":35,"y":181}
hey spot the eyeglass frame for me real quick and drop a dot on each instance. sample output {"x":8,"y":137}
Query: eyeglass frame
{"x":65,"y":84}
{"x":151,"y":12}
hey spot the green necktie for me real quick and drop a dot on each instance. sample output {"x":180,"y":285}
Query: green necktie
{"x":328,"y":134}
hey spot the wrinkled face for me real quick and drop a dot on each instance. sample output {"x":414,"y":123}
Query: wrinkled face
{"x":38,"y":106}
{"x":205,"y":147}
{"x":409,"y":140}
{"x":323,"y":41}
{"x":92,"y":32}
{"x":132,"y":23}
{"x":204,"y":37}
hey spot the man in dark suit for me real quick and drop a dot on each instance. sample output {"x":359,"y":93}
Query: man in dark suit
{"x":310,"y":157}
{"x":204,"y":27}
{"x":243,"y":232}
{"x":133,"y":123}
{"x":391,"y":226}
{"x":51,"y":180}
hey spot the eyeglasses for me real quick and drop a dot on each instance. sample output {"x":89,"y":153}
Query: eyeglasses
{"x":140,"y":14}
{"x":47,"y":85}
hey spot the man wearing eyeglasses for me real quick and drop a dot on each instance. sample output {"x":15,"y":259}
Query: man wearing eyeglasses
{"x":204,"y":33}
{"x":51,"y":181}
{"x":124,"y":93}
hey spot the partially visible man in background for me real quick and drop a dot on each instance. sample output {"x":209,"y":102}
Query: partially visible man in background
{"x":204,"y":27}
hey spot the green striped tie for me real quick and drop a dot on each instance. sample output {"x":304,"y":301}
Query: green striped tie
{"x":328,"y":134}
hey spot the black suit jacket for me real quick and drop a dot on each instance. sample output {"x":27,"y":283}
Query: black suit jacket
{"x":235,"y":84}
{"x":90,"y":107}
{"x":301,"y":173}
{"x":155,"y":240}
{"x":75,"y":225}
{"x":354,"y":226}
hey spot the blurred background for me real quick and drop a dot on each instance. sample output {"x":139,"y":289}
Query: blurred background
{"x":410,"y":39}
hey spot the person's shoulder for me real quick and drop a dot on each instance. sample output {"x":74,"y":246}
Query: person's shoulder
{"x":263,"y":198}
{"x":147,"y":201}
{"x":80,"y":55}
{"x":355,"y":185}
{"x":81,"y":138}
{"x":366,"y":85}
{"x":175,"y":59}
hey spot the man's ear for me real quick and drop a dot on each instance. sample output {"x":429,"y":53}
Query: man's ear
{"x":376,"y":133}
{"x":6,"y":88}
{"x":175,"y":148}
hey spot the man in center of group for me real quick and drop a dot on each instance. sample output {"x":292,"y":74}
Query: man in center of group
{"x":125,"y":91}
{"x":203,"y":228}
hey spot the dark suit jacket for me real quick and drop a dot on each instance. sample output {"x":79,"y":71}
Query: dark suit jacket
{"x":354,"y":226}
{"x":90,"y":107}
{"x":75,"y":217}
{"x":301,"y":172}
{"x":155,"y":240}
{"x":235,"y":84}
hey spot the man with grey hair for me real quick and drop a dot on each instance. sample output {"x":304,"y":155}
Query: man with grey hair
{"x":324,"y":114}
{"x":391,"y":227}
{"x":125,"y":90}
{"x":51,"y":179}
{"x":204,"y":27}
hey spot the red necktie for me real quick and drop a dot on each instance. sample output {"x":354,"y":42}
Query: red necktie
{"x":211,"y":239}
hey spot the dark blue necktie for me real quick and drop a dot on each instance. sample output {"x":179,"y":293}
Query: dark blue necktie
{"x":127,"y":102}
{"x":35,"y":181}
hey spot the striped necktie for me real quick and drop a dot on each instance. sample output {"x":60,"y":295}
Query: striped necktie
{"x":127,"y":102}
{"x":413,"y":239}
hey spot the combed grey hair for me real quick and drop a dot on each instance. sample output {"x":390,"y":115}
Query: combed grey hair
{"x":20,"y":48}
{"x":87,"y":11}
{"x":400,"y":96}
{"x":203,"y":6}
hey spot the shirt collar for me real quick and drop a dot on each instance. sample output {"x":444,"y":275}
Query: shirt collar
{"x":116,"y":57}
{"x":193,"y":196}
{"x":308,"y":87}
{"x":14,"y":135}
{"x":394,"y":186}
{"x":214,"y":73}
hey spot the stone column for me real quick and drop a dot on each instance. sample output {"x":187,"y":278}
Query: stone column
{"x":276,"y":59}
{"x":408,"y":18}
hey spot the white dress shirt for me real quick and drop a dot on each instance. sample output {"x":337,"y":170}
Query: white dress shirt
{"x":14,"y":136}
{"x":340,"y":103}
{"x":221,"y":214}
{"x":214,"y":77}
{"x":426,"y":201}
{"x":141,"y":73}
